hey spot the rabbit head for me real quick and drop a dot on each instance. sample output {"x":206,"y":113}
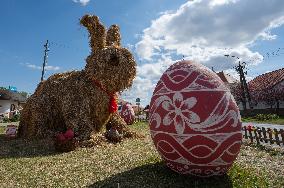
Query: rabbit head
{"x":109,"y":63}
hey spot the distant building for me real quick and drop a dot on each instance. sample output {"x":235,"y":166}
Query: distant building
{"x":10,"y":102}
{"x":266,"y":91}
{"x":268,"y":88}
{"x":137,"y":108}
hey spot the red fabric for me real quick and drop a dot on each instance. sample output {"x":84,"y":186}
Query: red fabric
{"x":69,"y":134}
{"x":60,"y":137}
{"x":113,"y":107}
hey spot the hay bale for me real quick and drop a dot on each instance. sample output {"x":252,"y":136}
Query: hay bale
{"x":117,"y":129}
{"x":80,"y":100}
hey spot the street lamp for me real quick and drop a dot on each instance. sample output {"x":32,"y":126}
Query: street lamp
{"x":138,"y":103}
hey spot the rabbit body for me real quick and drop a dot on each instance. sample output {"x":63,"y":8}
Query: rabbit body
{"x":79,"y":100}
{"x":65,"y":101}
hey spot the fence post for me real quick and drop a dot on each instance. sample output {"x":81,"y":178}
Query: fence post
{"x":276,"y":137}
{"x":246,"y":132}
{"x":256,"y":136}
{"x":250,"y":135}
{"x":282,"y":135}
{"x":259,"y":134}
{"x":264,"y":134}
{"x":270,"y":136}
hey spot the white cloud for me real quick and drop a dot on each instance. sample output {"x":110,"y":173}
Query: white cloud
{"x":205,"y":25}
{"x":147,"y":76}
{"x":36,"y":67}
{"x":206,"y":30}
{"x":52,"y":68}
{"x":140,"y":89}
{"x":32,"y":66}
{"x":82,"y":2}
{"x":130,"y":47}
{"x":219,"y":61}
{"x":145,"y":48}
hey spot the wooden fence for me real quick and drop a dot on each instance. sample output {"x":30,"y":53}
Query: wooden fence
{"x":254,"y":133}
{"x":139,"y":119}
{"x":263,"y":135}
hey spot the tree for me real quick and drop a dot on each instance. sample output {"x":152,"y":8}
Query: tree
{"x":24,"y":94}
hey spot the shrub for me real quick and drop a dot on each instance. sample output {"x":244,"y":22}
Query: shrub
{"x":264,"y":117}
{"x":274,"y":116}
{"x":15,"y":118}
{"x":6,"y":120}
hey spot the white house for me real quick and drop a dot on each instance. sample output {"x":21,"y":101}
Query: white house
{"x":269,"y":86}
{"x":10,"y":102}
{"x":266,"y":91}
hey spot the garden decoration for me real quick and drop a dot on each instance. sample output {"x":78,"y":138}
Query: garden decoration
{"x":127,"y":113}
{"x":82,"y":101}
{"x":116,"y":129}
{"x":11,"y":131}
{"x":194,"y":121}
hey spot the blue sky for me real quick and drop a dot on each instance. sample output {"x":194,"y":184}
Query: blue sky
{"x":158,"y":32}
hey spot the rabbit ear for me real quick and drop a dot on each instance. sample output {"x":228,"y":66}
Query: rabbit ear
{"x":113,"y":36}
{"x":97,"y":31}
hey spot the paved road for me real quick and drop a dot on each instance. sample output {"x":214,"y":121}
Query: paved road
{"x":265,"y":125}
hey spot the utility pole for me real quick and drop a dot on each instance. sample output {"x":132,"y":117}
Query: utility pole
{"x":245,"y":91}
{"x":244,"y":87}
{"x":44,"y":59}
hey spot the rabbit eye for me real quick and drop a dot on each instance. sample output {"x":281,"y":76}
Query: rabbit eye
{"x":114,"y":60}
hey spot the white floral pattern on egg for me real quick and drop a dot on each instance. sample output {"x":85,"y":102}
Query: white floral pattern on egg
{"x":194,"y":121}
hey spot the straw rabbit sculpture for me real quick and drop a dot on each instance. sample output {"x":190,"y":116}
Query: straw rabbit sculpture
{"x":81,"y":100}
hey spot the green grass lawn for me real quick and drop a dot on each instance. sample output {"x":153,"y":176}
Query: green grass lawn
{"x":2,"y":129}
{"x":279,"y":121}
{"x":132,"y":163}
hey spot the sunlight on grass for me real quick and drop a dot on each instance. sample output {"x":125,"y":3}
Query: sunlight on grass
{"x":132,"y":163}
{"x":2,"y":129}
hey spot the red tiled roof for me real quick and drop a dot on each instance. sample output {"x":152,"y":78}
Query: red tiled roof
{"x":267,"y":80}
{"x":6,"y":94}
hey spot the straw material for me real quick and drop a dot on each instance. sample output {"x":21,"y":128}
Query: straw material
{"x":71,"y":100}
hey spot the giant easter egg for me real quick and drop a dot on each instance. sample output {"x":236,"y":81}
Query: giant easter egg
{"x":127,"y":113}
{"x":194,"y":121}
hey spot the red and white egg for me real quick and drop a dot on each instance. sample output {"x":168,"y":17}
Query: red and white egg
{"x":194,"y":121}
{"x":127,"y":113}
